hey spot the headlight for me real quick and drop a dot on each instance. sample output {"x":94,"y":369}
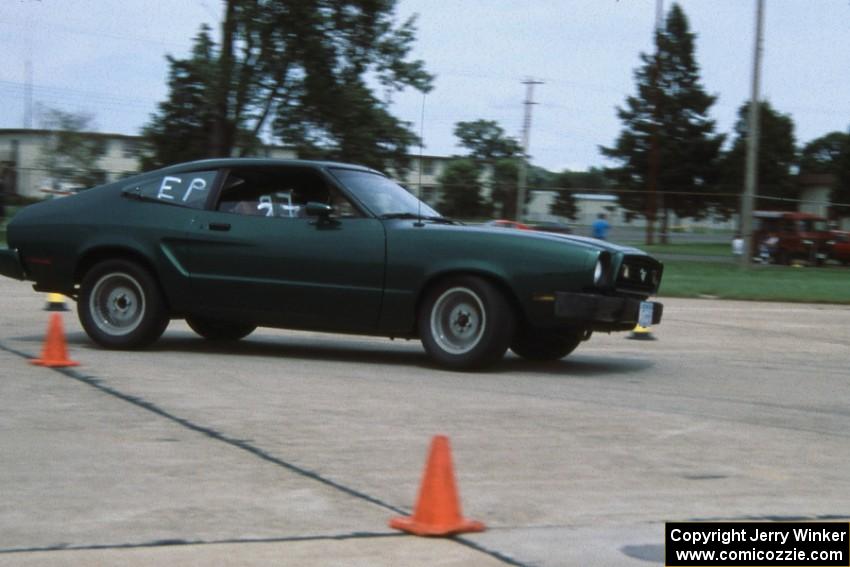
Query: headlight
{"x":600,"y":271}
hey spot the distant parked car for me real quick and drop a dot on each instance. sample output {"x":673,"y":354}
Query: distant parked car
{"x":233,"y":244}
{"x":556,"y":227}
{"x":840,"y":247}
{"x":501,"y":223}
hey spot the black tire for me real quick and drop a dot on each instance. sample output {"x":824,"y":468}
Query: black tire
{"x":465,"y":323}
{"x":533,"y":345}
{"x":215,"y":330}
{"x":121,"y":305}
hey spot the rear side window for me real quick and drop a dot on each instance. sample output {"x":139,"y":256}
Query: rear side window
{"x":189,"y":189}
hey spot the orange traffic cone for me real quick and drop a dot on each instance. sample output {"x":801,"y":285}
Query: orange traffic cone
{"x":55,"y":353}
{"x":437,"y":511}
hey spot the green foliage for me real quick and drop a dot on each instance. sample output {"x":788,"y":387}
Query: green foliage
{"x":71,"y":153}
{"x":329,"y":53}
{"x":775,"y":159}
{"x":594,"y":178}
{"x":303,"y":69}
{"x":461,"y":189}
{"x":487,"y":143}
{"x":486,"y":140}
{"x":823,"y":155}
{"x":841,"y":192}
{"x":564,"y":204}
{"x":504,"y":187}
{"x":180,"y":130}
{"x":669,"y":115}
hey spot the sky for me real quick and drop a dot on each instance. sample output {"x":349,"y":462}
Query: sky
{"x":107,"y":58}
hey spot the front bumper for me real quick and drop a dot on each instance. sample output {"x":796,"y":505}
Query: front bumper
{"x":602,"y":312}
{"x":10,"y":265}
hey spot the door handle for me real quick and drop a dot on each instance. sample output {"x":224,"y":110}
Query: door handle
{"x":222,"y":226}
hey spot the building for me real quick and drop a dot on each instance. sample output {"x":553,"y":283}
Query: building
{"x":22,"y":158}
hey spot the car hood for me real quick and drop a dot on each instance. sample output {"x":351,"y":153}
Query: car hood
{"x":583,"y":241}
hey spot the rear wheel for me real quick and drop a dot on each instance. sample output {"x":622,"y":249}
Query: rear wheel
{"x":121,"y":306}
{"x":536,"y":345}
{"x":216,"y":330}
{"x":465,"y":322}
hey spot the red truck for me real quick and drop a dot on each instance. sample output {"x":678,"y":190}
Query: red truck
{"x":784,"y":237}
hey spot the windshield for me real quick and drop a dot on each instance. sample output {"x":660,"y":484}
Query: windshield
{"x":812,"y":226}
{"x":381,"y":195}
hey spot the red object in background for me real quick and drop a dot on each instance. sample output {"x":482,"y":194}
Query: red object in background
{"x":840,"y":249}
{"x":508,"y":224}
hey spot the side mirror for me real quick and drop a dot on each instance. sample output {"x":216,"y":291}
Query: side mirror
{"x":321,"y":210}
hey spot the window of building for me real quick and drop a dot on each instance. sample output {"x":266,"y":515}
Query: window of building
{"x":130,"y":149}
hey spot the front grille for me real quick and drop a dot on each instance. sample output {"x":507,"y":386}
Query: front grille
{"x":639,"y":274}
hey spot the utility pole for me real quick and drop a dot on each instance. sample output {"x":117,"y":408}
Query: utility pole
{"x":526,"y":133}
{"x":751,"y":179}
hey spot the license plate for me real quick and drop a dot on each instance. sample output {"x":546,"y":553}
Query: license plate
{"x":645,"y":313}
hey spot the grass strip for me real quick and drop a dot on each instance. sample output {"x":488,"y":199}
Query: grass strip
{"x":761,"y":283}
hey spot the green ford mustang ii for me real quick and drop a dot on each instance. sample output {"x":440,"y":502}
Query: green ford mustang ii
{"x":233,"y":244}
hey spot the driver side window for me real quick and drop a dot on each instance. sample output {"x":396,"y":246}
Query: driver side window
{"x":280,"y":193}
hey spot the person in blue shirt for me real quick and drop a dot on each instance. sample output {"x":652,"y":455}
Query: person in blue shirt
{"x":600,"y":227}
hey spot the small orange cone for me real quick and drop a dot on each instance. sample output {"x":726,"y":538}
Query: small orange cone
{"x":55,"y":353}
{"x":437,"y":510}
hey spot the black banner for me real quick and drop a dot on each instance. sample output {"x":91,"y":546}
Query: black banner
{"x":757,"y":544}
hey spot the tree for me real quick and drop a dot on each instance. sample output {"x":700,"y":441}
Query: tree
{"x":594,"y":178}
{"x":304,"y":69}
{"x":776,"y":158}
{"x":487,"y":143}
{"x":823,"y":155}
{"x":72,"y":152}
{"x":180,"y":130}
{"x":666,"y":125}
{"x":504,"y":187}
{"x":486,"y":140}
{"x":461,"y":189}
{"x":840,"y":194}
{"x":564,"y":204}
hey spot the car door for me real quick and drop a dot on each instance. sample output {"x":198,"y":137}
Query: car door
{"x":256,"y":255}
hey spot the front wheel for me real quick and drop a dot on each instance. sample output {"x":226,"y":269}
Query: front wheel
{"x":465,"y":323}
{"x":120,"y":305}
{"x":544,"y":346}
{"x":215,"y":330}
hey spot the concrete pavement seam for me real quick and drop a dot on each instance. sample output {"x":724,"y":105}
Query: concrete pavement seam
{"x":96,"y":383}
{"x":181,"y":542}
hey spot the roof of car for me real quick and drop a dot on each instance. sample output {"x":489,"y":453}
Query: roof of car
{"x":260,"y":162}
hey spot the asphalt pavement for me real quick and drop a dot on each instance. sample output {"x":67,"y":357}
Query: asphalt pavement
{"x":294,"y":448}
